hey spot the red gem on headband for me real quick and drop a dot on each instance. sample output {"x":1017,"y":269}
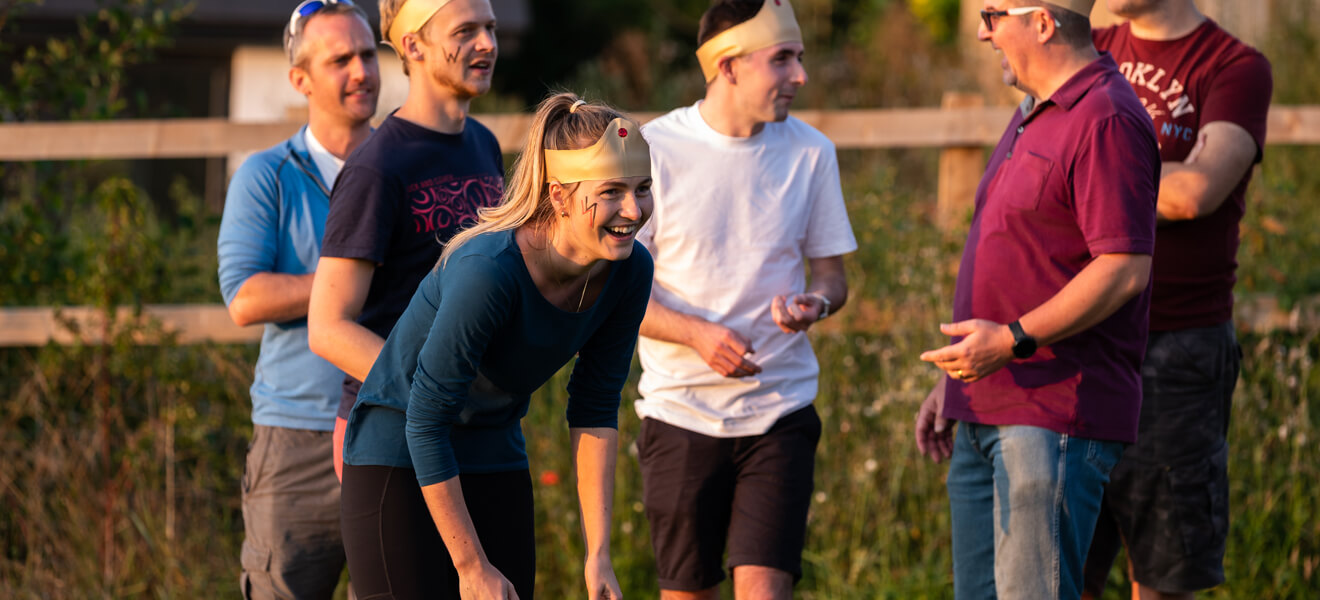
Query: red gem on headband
{"x":623,"y":132}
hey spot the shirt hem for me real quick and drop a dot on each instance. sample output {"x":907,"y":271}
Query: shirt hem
{"x":327,"y":424}
{"x":1122,"y":246}
{"x":669,"y":417}
{"x":830,"y":251}
{"x":351,"y":252}
{"x":1165,"y":324}
{"x":1069,"y":429}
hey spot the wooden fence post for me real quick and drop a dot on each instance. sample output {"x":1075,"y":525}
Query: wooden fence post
{"x":960,"y":170}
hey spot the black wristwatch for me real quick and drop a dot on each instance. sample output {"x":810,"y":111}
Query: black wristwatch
{"x":1023,"y":345}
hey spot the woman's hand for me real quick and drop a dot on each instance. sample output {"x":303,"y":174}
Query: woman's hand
{"x":601,"y":582}
{"x":485,"y":583}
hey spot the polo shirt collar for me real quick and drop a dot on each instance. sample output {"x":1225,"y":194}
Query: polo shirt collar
{"x":1072,"y":91}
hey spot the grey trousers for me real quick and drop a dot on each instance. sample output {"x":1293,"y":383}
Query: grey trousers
{"x":292,"y":547}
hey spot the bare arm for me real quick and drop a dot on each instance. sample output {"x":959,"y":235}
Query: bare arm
{"x":594,"y":454}
{"x":828,"y":280}
{"x":338,"y":294}
{"x":724,"y":349}
{"x":268,"y":297}
{"x":477,"y":578}
{"x":1091,"y":297}
{"x":1098,"y":291}
{"x":1197,"y":186}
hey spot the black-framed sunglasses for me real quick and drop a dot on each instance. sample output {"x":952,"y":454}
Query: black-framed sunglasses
{"x":306,"y":9}
{"x":988,"y":16}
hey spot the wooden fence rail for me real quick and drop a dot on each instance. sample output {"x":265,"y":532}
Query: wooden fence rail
{"x":961,"y":128}
{"x":850,"y":129}
{"x":195,"y":323}
{"x":191,"y":323}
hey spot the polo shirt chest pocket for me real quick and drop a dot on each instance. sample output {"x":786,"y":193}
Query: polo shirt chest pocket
{"x":1023,"y":180}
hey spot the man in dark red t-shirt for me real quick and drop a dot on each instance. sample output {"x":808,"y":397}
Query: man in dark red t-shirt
{"x":1050,"y":311}
{"x":1208,"y":95}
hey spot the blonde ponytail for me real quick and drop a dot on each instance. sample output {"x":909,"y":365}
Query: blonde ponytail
{"x":562,"y":122}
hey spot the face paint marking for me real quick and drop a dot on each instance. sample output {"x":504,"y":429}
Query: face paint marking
{"x":589,"y":209}
{"x":451,"y":58}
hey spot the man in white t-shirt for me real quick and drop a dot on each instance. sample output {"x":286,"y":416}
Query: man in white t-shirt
{"x":743,"y":194}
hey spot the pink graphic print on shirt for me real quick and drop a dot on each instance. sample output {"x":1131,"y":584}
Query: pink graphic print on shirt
{"x":451,"y":202}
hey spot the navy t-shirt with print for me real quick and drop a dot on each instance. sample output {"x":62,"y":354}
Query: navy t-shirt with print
{"x":399,"y":198}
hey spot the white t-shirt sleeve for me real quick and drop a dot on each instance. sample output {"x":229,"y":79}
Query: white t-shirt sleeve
{"x":829,"y":233}
{"x":646,"y":235}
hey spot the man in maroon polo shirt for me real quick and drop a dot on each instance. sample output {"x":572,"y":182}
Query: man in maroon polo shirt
{"x":1208,"y":95}
{"x":1050,"y":311}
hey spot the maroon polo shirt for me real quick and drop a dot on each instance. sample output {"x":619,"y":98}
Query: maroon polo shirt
{"x":1075,"y":178}
{"x":1203,"y":77}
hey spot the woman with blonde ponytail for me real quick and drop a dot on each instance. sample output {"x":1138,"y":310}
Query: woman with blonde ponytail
{"x":437,"y":496}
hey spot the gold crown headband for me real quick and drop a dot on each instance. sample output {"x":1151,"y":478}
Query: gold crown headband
{"x":620,"y":152}
{"x":411,"y":17}
{"x":773,"y":24}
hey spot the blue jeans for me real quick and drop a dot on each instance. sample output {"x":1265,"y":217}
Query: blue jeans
{"x":1024,"y":502}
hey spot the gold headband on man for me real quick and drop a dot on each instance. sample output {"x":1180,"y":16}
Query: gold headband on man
{"x":773,"y":24}
{"x":620,"y":152}
{"x":410,"y":18}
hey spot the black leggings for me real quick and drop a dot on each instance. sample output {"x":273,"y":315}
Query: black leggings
{"x":394,"y":550}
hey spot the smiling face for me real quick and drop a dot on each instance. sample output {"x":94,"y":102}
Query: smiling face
{"x":460,"y":48}
{"x":1007,"y":39}
{"x":767,"y":80}
{"x":603,"y":216}
{"x":338,"y":73}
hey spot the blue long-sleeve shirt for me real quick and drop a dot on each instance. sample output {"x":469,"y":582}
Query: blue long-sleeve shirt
{"x":455,"y":377}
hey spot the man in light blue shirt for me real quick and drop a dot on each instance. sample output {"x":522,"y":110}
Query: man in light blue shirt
{"x":270,"y":241}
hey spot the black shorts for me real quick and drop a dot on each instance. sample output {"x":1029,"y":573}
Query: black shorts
{"x":394,"y":550}
{"x":754,"y":492}
{"x":1167,"y":499}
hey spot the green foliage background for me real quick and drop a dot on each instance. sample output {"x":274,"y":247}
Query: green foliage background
{"x":122,"y":460}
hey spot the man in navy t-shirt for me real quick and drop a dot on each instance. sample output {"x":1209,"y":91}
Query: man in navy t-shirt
{"x":419,"y":180}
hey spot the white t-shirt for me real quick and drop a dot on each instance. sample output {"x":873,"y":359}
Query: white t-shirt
{"x":327,"y":163}
{"x":734,"y":219}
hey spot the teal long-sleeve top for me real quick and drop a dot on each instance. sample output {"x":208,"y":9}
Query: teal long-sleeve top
{"x":450,"y":387}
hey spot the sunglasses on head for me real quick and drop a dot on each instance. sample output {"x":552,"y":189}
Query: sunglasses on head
{"x":306,"y":9}
{"x":988,"y":16}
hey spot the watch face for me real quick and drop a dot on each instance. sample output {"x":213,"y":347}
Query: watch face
{"x":1024,"y":347}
